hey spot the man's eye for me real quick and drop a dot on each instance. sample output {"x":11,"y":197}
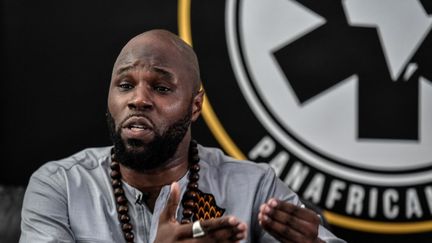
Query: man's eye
{"x":162,"y":89}
{"x":125,"y":86}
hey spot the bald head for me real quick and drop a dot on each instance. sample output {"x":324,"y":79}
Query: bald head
{"x":163,"y":48}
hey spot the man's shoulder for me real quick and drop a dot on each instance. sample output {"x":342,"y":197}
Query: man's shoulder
{"x":86,"y":159}
{"x":216,"y":158}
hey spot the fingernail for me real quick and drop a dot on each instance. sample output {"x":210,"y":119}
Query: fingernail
{"x":265,"y":218}
{"x":232,"y":220}
{"x":266,"y":209}
{"x":273,"y":203}
{"x":240,"y":236}
{"x":240,"y":227}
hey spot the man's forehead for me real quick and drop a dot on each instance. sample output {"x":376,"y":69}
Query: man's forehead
{"x":159,"y":49}
{"x":151,"y":51}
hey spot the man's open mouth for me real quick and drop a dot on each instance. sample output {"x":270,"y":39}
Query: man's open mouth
{"x":137,"y":127}
{"x":137,"y":123}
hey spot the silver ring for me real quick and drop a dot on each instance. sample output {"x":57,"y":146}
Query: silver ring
{"x":197,"y":230}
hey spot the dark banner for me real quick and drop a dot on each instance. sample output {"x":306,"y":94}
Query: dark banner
{"x":335,"y":95}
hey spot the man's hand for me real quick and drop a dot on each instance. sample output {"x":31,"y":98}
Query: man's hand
{"x":224,"y":229}
{"x":288,"y":222}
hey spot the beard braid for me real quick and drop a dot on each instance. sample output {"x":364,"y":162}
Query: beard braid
{"x":156,"y":153}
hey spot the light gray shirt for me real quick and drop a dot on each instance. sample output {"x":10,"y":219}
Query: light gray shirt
{"x":71,"y":200}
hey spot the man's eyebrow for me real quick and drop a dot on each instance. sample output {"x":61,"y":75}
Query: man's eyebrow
{"x":161,"y":71}
{"x":124,"y":69}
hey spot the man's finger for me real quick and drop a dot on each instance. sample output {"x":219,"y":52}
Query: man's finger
{"x":301,"y":219}
{"x":227,"y":228}
{"x":281,"y":231}
{"x":231,"y":234}
{"x":294,"y":210}
{"x":218,"y":223}
{"x":169,"y":212}
{"x":184,"y":231}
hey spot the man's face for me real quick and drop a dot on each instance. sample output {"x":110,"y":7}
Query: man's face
{"x":150,"y":102}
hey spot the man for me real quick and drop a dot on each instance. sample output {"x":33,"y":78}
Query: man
{"x":155,"y":181}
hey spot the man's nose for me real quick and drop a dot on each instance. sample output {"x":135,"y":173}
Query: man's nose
{"x":141,"y":100}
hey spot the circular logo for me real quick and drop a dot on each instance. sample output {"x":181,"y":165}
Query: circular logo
{"x":312,"y":109}
{"x":337,"y":98}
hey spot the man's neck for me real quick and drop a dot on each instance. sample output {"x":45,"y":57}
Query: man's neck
{"x":150,"y":182}
{"x":155,"y":179}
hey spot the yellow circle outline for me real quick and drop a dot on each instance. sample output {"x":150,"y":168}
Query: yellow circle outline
{"x":231,"y":148}
{"x":209,"y":116}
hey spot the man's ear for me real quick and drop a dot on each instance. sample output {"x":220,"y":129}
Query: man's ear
{"x":197,"y":104}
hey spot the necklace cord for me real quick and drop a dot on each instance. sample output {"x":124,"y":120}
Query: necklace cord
{"x":189,"y":200}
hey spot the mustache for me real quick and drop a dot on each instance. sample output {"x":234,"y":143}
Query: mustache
{"x":135,"y":114}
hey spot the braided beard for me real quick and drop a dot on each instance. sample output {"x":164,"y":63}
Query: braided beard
{"x":156,"y":153}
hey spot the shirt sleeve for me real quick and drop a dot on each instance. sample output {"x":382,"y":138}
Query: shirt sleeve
{"x":44,"y":216}
{"x":273,"y":187}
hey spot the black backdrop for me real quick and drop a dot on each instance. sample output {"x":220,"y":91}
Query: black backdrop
{"x":57,"y":59}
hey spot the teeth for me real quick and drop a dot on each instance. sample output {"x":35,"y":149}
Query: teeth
{"x":137,"y":127}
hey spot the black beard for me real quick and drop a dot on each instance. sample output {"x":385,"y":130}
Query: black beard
{"x":156,"y":153}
